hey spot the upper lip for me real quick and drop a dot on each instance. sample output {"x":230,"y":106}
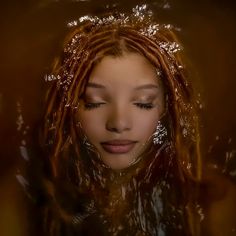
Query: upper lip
{"x":118,"y":142}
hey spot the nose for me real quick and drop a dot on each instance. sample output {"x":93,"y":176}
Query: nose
{"x":119,"y":120}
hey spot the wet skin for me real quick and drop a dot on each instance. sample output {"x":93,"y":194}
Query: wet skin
{"x":123,"y":102}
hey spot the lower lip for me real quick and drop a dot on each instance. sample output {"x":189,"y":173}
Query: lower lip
{"x":118,"y":149}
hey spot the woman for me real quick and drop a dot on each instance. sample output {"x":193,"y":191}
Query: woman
{"x":120,"y":132}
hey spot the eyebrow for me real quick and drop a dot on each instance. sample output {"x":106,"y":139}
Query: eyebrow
{"x":95,"y":85}
{"x":145,"y":86}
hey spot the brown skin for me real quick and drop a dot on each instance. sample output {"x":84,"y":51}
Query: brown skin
{"x":121,"y":110}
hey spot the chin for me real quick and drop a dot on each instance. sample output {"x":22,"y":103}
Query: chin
{"x":117,"y":165}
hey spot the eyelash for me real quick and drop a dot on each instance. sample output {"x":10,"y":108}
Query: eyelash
{"x":89,"y":106}
{"x":146,"y":106}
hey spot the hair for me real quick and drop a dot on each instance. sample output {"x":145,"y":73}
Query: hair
{"x":170,"y":176}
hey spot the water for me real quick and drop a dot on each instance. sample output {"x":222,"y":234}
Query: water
{"x":31,"y":35}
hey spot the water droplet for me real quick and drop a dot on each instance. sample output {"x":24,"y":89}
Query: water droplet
{"x":166,"y":5}
{"x":23,"y":182}
{"x":19,"y":122}
{"x":24,"y":153}
{"x":23,"y":142}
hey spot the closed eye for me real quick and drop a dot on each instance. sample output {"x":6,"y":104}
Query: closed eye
{"x":146,"y":106}
{"x":92,"y":105}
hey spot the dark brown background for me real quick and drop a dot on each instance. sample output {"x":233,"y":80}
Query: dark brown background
{"x":31,"y":33}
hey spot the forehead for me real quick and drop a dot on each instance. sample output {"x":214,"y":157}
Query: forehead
{"x":129,"y":69}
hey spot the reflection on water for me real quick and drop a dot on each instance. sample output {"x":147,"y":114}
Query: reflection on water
{"x":29,"y":44}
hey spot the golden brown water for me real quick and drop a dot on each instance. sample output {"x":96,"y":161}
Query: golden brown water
{"x":31,"y":35}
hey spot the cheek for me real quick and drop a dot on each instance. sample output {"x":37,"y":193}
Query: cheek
{"x":92,"y":124}
{"x":146,"y":123}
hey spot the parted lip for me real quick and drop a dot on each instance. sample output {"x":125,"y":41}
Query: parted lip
{"x":118,"y":142}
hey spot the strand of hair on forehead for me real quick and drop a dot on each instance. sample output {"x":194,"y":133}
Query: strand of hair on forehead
{"x":94,"y":50}
{"x":88,"y":47}
{"x":87,"y":27}
{"x":93,"y":42}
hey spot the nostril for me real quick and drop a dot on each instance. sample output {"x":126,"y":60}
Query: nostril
{"x":114,"y":129}
{"x":117,"y":127}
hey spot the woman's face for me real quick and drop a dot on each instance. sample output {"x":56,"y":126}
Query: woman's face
{"x":123,"y":102}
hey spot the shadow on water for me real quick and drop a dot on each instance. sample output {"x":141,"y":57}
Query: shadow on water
{"x":31,"y":34}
